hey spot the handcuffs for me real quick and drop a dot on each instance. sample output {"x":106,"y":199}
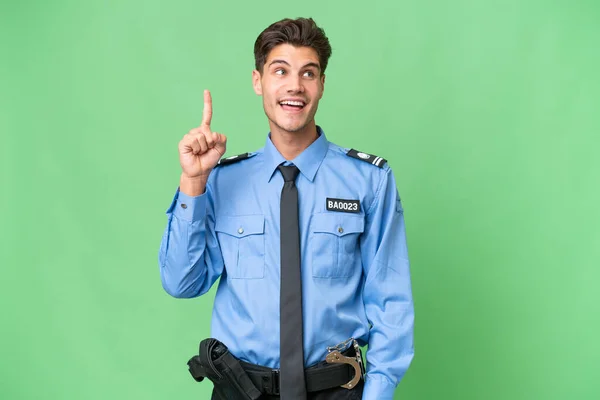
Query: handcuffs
{"x":335,"y":356}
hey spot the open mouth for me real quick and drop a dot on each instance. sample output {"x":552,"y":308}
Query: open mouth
{"x":292,"y":105}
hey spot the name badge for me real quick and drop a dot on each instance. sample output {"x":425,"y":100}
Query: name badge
{"x":349,"y":206}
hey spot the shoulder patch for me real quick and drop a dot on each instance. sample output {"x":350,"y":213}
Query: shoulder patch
{"x":232,"y":159}
{"x":370,"y":158}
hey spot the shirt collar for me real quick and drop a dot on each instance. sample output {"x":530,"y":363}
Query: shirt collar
{"x":308,"y":162}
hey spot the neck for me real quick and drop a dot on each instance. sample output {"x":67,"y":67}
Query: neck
{"x":291,"y":144}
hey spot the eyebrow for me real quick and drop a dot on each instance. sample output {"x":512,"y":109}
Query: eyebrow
{"x":310,"y":64}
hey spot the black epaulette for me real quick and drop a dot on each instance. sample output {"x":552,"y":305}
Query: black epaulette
{"x":232,"y":159}
{"x":370,"y":158}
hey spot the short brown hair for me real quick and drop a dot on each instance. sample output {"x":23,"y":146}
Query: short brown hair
{"x":297,"y":32}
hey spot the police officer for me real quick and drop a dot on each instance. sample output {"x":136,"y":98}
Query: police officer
{"x":307,"y":238}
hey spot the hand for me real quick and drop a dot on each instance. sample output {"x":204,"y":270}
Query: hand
{"x":201,"y":149}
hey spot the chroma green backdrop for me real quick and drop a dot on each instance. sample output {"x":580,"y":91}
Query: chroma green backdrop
{"x":488,"y":112}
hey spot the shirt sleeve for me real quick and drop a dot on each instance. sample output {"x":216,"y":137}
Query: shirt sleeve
{"x":387,"y":293}
{"x":190,"y":259}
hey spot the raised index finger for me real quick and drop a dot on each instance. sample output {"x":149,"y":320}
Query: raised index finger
{"x":207,"y":111}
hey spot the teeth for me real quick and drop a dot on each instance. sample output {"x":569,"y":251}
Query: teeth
{"x":292,"y":103}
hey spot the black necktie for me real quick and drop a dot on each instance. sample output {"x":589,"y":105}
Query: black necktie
{"x":291,"y":381}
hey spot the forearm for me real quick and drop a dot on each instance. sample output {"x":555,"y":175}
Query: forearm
{"x":192,"y":186}
{"x":188,"y":265}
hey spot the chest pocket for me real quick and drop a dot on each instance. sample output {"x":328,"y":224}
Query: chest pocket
{"x":334,"y":244}
{"x":242,"y":241}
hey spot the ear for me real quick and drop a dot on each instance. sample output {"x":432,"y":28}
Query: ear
{"x":256,"y":82}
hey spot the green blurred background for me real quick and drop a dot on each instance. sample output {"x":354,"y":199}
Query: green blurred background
{"x":488,"y":112}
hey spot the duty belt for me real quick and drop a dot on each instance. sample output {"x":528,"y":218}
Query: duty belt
{"x":343,"y":367}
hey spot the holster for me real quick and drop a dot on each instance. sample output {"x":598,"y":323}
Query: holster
{"x":216,"y":363}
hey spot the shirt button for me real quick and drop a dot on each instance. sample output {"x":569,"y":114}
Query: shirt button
{"x":341,"y":230}
{"x":241,"y":230}
{"x":183,"y":205}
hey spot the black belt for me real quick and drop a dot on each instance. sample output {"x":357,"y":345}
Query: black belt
{"x":319,"y":377}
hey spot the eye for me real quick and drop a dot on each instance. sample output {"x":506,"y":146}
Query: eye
{"x":309,"y":74}
{"x":279,"y":71}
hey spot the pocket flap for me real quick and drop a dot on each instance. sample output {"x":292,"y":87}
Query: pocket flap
{"x":240,"y":225}
{"x":338,"y":224}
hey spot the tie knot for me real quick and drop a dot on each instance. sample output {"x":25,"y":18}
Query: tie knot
{"x":289,"y":173}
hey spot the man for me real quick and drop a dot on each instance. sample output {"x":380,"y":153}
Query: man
{"x":308,"y":239}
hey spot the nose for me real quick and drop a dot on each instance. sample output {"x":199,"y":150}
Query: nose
{"x":295,"y":84}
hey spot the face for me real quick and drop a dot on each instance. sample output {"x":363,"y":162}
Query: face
{"x":291,"y":84}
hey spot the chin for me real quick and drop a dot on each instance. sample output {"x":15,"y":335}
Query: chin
{"x":288,"y":126}
{"x":293,"y":127}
